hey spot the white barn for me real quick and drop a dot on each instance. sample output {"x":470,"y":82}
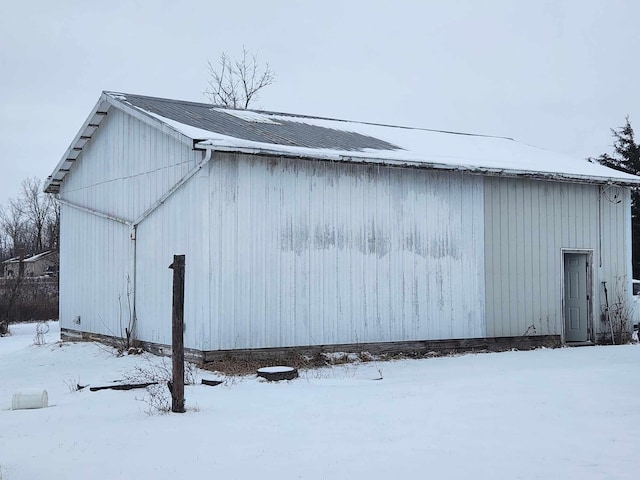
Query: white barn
{"x":325,"y":234}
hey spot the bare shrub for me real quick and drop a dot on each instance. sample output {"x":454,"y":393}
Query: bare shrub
{"x":124,"y":338}
{"x":617,"y":317}
{"x":25,"y":299}
{"x":161,"y":373}
{"x":10,"y":296}
{"x":127,"y":330}
{"x":73,"y":385}
{"x":157,"y":398}
{"x":42,"y":328}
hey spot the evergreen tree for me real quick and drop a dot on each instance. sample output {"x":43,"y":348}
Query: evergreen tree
{"x":626,"y":158}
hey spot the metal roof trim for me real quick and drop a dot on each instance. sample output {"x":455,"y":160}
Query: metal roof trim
{"x":493,"y":172}
{"x":91,"y":126}
{"x":119,"y":101}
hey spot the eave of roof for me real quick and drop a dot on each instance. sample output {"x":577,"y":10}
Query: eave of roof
{"x":299,"y":136}
{"x":90,"y":126}
{"x":471,"y":169}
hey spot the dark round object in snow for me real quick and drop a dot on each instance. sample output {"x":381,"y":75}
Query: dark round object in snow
{"x":211,"y":383}
{"x":275,"y":374}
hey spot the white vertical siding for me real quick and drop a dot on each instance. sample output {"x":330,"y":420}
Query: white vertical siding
{"x":311,"y":253}
{"x":125,"y":168}
{"x":284,"y":252}
{"x":94,"y":273}
{"x":616,"y":267}
{"x":528,"y":223}
{"x":175,"y":228}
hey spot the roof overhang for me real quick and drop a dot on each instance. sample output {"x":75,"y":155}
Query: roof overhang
{"x":471,"y":169}
{"x":399,"y":158}
{"x":89,"y":128}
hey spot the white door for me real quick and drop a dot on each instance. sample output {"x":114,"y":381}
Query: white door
{"x":576,"y":300}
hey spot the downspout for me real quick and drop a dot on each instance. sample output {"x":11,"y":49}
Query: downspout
{"x":131,"y":283}
{"x":145,"y":214}
{"x":171,"y":191}
{"x":133,"y":226}
{"x":600,"y":222}
{"x":131,"y":288}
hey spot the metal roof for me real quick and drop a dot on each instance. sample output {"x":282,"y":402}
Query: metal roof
{"x":281,"y":132}
{"x":207,"y":126}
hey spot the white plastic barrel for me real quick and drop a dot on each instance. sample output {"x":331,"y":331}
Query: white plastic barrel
{"x":22,"y":401}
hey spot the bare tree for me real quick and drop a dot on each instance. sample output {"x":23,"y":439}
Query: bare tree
{"x":5,"y":247}
{"x":52,"y":227}
{"x":235,"y":83}
{"x":36,"y":206}
{"x":29,"y":223}
{"x":13,"y":223}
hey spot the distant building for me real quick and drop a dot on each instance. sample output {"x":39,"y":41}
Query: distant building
{"x":45,"y":263}
{"x":327,"y":234}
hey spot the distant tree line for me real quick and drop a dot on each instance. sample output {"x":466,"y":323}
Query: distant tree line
{"x":30,"y":222}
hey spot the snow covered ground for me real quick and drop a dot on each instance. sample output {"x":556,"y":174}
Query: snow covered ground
{"x":565,"y":413}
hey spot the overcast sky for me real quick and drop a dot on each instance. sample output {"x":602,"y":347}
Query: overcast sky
{"x":555,"y":74}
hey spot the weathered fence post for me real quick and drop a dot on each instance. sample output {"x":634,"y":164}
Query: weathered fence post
{"x":177,"y":335}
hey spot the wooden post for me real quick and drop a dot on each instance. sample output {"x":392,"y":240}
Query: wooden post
{"x":177,"y":335}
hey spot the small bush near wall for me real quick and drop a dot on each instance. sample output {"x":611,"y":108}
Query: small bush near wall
{"x":616,"y":316}
{"x":28,"y":298}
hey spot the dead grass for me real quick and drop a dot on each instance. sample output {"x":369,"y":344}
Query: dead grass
{"x":233,"y":366}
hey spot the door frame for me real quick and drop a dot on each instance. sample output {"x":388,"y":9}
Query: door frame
{"x":589,"y":253}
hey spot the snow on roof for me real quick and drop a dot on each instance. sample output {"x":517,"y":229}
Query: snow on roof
{"x":32,"y":258}
{"x":413,"y":146}
{"x":282,"y":134}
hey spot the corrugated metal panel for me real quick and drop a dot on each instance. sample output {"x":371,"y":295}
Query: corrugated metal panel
{"x":292,"y":252}
{"x":282,"y":132}
{"x":616,"y":267}
{"x":126,"y":167}
{"x":528,"y":223}
{"x":94,"y":273}
{"x":178,"y":227}
{"x":309,"y":253}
